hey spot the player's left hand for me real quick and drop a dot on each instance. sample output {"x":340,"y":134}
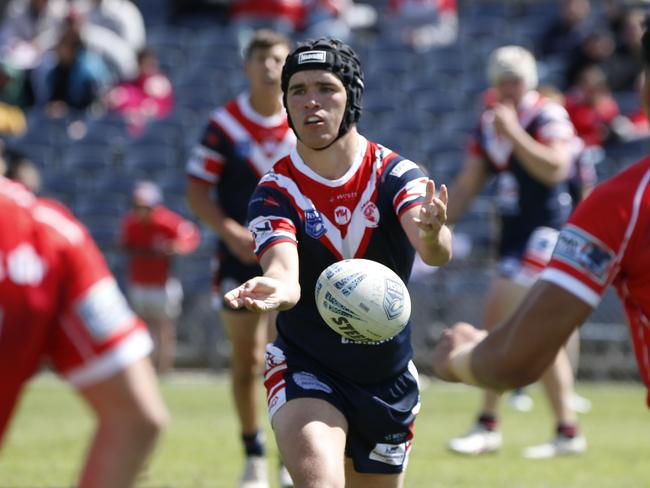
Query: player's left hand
{"x":506,"y":120}
{"x":433,"y":212}
{"x":454,"y":339}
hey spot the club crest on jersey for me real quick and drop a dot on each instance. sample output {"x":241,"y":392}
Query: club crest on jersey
{"x":371,"y":214}
{"x":314,"y":225}
{"x":585,"y":253}
{"x":393,"y":299}
{"x":342,"y":215}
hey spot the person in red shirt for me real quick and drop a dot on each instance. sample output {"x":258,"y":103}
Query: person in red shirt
{"x":604,"y":242}
{"x":60,"y":304}
{"x":151,"y":235}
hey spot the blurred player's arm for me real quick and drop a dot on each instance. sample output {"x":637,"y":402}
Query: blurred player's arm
{"x":549,"y":162}
{"x":425,"y":226}
{"x":518,"y":351}
{"x":277,"y":289}
{"x":237,"y":237}
{"x":465,"y":187}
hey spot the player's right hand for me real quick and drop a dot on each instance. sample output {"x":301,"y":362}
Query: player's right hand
{"x":259,"y":294}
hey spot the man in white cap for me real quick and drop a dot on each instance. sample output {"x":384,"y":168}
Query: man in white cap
{"x":527,"y":142}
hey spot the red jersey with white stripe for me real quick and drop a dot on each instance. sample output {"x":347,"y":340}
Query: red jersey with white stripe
{"x":58,"y":300}
{"x":607,"y":240}
{"x":149,"y":240}
{"x":355,"y":216}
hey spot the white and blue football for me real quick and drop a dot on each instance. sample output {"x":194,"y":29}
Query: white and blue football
{"x":363,"y":300}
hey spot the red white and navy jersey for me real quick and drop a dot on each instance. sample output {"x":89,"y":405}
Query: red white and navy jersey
{"x":237,"y":148}
{"x":524,"y":202}
{"x":355,"y":216}
{"x":149,"y":240}
{"x":58,"y":300}
{"x":607,"y":240}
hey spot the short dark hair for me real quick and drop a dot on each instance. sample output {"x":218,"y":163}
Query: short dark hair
{"x":265,"y":39}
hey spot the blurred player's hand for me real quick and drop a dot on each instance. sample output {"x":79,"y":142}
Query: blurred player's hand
{"x":454,"y":339}
{"x":259,"y":294}
{"x":433,"y":212}
{"x":506,"y":121}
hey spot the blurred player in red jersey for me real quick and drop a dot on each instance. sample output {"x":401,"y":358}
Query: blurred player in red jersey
{"x":606,"y":241}
{"x":151,"y":235}
{"x":60,"y":304}
{"x":241,"y":142}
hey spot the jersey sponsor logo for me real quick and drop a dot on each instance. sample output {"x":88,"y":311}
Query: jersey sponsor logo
{"x":402,"y":167}
{"x":342,"y":215}
{"x":314,"y":225}
{"x":393,"y":299}
{"x":103,"y":309}
{"x":262,"y":228}
{"x":308,"y":381}
{"x":24,"y":266}
{"x":312,"y":57}
{"x":371,"y":214}
{"x":585,"y":253}
{"x":393,"y":454}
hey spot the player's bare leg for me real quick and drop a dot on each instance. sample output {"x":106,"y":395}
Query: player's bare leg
{"x":248,"y":334}
{"x":311,"y":435}
{"x":130,"y":415}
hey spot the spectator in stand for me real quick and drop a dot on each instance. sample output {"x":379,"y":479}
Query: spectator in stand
{"x":565,"y":33}
{"x":14,"y":86}
{"x":30,"y":28}
{"x":60,"y":304}
{"x":20,"y":168}
{"x":72,"y":77}
{"x":596,"y":49}
{"x":625,"y":66}
{"x":592,"y":107}
{"x":115,"y":30}
{"x":422,"y":24}
{"x":148,"y":96}
{"x":325,"y":17}
{"x":151,"y":235}
{"x":283,"y":16}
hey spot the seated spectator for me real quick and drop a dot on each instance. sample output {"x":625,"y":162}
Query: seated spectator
{"x":14,"y":86}
{"x":422,"y":24}
{"x":148,"y":96}
{"x":595,"y":49}
{"x":592,"y":107}
{"x":326,"y":18}
{"x":29,"y":29}
{"x":625,"y":65}
{"x":72,"y":77}
{"x":565,"y":33}
{"x":20,"y":168}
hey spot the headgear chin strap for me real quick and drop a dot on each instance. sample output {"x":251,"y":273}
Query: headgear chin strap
{"x":339,"y":59}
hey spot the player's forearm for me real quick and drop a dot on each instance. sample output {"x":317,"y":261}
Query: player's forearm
{"x":435,"y":249}
{"x":207,"y":212}
{"x":549,"y":165}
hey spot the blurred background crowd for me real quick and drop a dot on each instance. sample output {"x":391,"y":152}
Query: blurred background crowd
{"x":96,"y":95}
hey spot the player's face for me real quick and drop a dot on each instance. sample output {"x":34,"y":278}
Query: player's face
{"x":316,"y":102}
{"x":510,"y":90}
{"x":264,"y":66}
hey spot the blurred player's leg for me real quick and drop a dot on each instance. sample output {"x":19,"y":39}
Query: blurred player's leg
{"x":248,"y":333}
{"x":130,"y":415}
{"x":311,"y":436}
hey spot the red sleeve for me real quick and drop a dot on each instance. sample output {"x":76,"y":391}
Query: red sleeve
{"x":185,"y":234}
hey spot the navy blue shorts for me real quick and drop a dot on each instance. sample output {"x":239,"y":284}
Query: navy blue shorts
{"x":229,"y":273}
{"x":380,"y":416}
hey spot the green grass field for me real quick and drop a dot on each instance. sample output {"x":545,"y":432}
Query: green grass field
{"x":45,"y":444}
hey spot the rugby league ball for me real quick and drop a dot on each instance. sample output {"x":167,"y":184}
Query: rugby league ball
{"x":363,"y":300}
